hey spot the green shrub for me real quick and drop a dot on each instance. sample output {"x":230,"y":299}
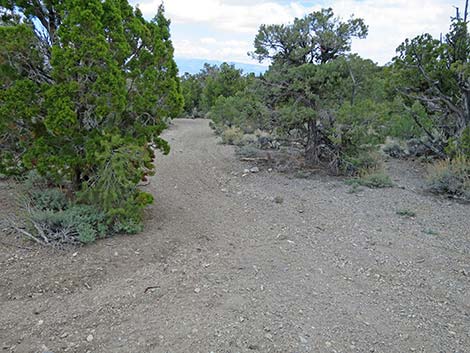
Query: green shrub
{"x":249,"y":139}
{"x":232,"y":136}
{"x":75,"y":224}
{"x":90,"y":121}
{"x":459,"y":146}
{"x":394,"y":148}
{"x":362,"y":161}
{"x":247,"y":151}
{"x":377,"y":179}
{"x":218,"y":129}
{"x":49,"y":199}
{"x":451,"y":177}
{"x":52,"y":218}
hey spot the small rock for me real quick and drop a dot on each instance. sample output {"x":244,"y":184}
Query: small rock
{"x":254,"y":170}
{"x":278,"y":199}
{"x":303,"y":340}
{"x":89,"y":338}
{"x":270,"y":169}
{"x":64,"y":335}
{"x":40,"y":322}
{"x":74,"y":254}
{"x":246,"y":171}
{"x":223,"y":190}
{"x":197,"y":290}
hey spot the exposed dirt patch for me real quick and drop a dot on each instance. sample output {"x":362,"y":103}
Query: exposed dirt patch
{"x":262,"y":262}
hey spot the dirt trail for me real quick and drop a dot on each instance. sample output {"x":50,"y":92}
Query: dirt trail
{"x":221,"y":267}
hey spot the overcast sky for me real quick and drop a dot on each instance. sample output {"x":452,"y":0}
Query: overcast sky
{"x":225,"y":29}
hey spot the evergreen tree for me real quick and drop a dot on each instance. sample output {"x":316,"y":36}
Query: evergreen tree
{"x":87,"y":88}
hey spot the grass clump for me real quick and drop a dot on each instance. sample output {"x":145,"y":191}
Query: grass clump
{"x":406,"y":213}
{"x":373,"y":180}
{"x":430,"y":232}
{"x":451,"y":177}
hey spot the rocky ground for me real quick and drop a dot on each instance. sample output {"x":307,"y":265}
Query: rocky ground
{"x":249,"y":262}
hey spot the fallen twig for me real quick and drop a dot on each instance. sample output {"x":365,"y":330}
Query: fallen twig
{"x":150,"y":288}
{"x":247,"y":159}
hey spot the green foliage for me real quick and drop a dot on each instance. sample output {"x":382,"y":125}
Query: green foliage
{"x":225,"y":82}
{"x":361,"y":161}
{"x":318,"y":37}
{"x":451,"y":177}
{"x":201,"y":91}
{"x":82,"y":223}
{"x":432,"y":76}
{"x":86,"y":89}
{"x":232,"y":136}
{"x":459,"y":145}
{"x":313,"y":80}
{"x":377,"y":179}
{"x":114,"y":186}
{"x":243,"y":110}
{"x":247,"y":151}
{"x":191,"y":87}
{"x":56,"y":219}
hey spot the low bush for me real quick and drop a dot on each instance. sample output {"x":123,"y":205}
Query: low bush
{"x":247,"y":151}
{"x":232,"y":136}
{"x":394,"y":149}
{"x":376,"y":179}
{"x":249,"y":139}
{"x":72,"y":225}
{"x":361,"y":162}
{"x":49,"y":216}
{"x":451,"y":177}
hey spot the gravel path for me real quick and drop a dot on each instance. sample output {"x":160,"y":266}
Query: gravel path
{"x":225,"y":266}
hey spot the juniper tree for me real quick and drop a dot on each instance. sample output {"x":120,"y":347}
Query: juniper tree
{"x":86,"y":89}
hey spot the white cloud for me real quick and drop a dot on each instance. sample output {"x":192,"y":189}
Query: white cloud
{"x":231,"y":16}
{"x":230,"y":50}
{"x":228,"y":27}
{"x":208,"y":40}
{"x":392,"y":21}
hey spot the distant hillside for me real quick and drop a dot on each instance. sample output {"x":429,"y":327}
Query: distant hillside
{"x":193,"y":66}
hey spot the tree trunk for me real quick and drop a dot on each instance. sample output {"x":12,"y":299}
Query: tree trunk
{"x":466,"y":110}
{"x":77,"y":179}
{"x":312,"y":149}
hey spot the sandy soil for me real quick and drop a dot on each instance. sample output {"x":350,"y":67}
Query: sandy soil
{"x":222,"y":267}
